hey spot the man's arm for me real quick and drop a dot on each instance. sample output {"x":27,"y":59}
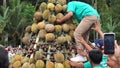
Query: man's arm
{"x":98,"y":29}
{"x":76,"y":64}
{"x":65,"y":18}
{"x":84,"y":43}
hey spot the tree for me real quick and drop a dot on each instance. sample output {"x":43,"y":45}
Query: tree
{"x":20,"y":15}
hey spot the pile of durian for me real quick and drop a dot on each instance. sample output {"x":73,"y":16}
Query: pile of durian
{"x":19,"y":61}
{"x":51,"y":44}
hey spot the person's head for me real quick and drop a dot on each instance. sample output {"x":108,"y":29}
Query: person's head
{"x":95,"y":56}
{"x":4,"y":62}
{"x":98,"y":43}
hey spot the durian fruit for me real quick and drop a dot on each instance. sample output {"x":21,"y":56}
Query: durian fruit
{"x":43,"y":7}
{"x":65,"y":27}
{"x":61,"y":40}
{"x":59,"y":57}
{"x":71,"y":33}
{"x":34,"y":28}
{"x":41,"y":25}
{"x":38,"y":16}
{"x":66,"y":64}
{"x":46,"y":14}
{"x":62,"y":2}
{"x":42,"y":34}
{"x":59,"y":16}
{"x":64,"y":8}
{"x":58,"y":28}
{"x":31,"y":60}
{"x":25,"y":40}
{"x":34,"y":20}
{"x":28,"y":29}
{"x":39,"y":64}
{"x":72,"y":26}
{"x":59,"y":65}
{"x":51,"y":6}
{"x":51,"y":1}
{"x":38,"y":55}
{"x":68,"y":38}
{"x":32,"y":65}
{"x":12,"y":60}
{"x":50,"y":64}
{"x":58,"y":8}
{"x":49,"y":27}
{"x":25,"y":65}
{"x":18,"y":57}
{"x":49,"y":37}
{"x":25,"y":59}
{"x":10,"y":65}
{"x":27,"y":34}
{"x":52,"y":19}
{"x":17,"y":64}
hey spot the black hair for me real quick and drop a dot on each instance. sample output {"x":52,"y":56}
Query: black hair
{"x":95,"y":56}
{"x":4,"y":61}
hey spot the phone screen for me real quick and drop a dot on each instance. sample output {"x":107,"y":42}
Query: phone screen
{"x":109,"y":43}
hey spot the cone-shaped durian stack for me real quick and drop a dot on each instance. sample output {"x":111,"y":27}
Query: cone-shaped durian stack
{"x":52,"y":43}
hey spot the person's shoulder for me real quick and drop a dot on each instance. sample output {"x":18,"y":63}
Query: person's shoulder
{"x":87,"y":64}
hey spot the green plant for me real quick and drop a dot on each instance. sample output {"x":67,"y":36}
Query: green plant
{"x":20,"y":15}
{"x":3,"y":17}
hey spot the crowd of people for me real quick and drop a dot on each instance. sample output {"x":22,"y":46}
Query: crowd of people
{"x":106,"y":61}
{"x":88,"y":17}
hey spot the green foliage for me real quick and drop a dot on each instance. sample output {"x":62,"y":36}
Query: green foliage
{"x":3,"y":17}
{"x":20,"y":15}
{"x":110,"y":16}
{"x":110,"y":25}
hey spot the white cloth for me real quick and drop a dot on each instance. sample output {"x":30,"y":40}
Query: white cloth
{"x":79,"y":58}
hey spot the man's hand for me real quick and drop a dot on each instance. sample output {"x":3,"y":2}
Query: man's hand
{"x":57,"y":21}
{"x":117,"y":50}
{"x":97,"y":27}
{"x":114,"y":60}
{"x":81,"y":40}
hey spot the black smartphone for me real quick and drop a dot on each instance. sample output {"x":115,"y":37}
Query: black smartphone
{"x":109,"y":43}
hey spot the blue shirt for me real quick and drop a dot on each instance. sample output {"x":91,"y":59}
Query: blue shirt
{"x":81,"y":9}
{"x":103,"y":63}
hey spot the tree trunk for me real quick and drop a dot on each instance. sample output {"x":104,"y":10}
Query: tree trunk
{"x":94,"y":3}
{"x":4,"y":3}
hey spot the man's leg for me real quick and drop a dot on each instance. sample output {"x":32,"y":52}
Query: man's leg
{"x":83,"y":29}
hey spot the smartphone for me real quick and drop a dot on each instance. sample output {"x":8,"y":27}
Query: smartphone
{"x":109,"y":43}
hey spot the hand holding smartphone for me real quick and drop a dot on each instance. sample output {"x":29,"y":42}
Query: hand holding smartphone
{"x":109,"y":43}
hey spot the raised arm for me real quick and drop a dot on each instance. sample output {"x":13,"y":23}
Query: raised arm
{"x":84,"y":43}
{"x":98,"y":29}
{"x":65,"y":18}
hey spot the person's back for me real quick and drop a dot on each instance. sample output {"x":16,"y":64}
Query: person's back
{"x":4,"y":62}
{"x":81,"y":9}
